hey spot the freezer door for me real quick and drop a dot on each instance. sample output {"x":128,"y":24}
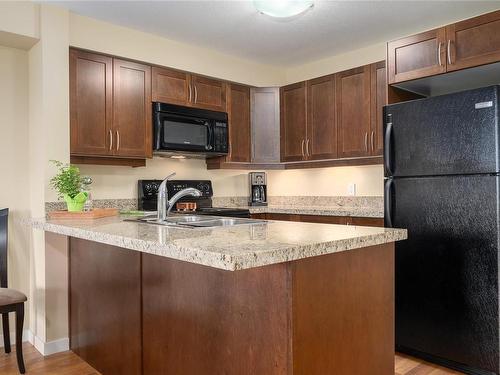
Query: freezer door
{"x":443,"y":135}
{"x":447,"y":270}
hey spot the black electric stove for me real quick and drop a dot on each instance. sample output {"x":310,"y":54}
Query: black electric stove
{"x":148,"y":193}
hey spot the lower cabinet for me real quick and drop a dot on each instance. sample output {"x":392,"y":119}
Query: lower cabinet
{"x":323,"y":219}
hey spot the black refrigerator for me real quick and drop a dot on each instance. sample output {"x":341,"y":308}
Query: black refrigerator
{"x":441,"y":159}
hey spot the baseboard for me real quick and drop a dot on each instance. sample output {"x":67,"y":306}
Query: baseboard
{"x":51,"y":347}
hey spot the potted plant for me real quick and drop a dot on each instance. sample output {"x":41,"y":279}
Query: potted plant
{"x":68,"y":184}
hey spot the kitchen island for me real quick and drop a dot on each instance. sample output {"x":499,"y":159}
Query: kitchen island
{"x":271,"y":298}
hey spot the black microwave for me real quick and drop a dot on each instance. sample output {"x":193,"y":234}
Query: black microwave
{"x":188,"y":130}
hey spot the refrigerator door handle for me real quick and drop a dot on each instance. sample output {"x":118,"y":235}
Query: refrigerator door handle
{"x":387,"y":202}
{"x":387,"y":145}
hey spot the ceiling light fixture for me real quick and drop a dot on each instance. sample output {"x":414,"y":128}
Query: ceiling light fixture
{"x":283,"y":8}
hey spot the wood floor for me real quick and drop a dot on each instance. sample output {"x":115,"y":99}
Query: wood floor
{"x":68,"y":363}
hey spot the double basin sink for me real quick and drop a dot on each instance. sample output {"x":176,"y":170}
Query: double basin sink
{"x":195,"y":221}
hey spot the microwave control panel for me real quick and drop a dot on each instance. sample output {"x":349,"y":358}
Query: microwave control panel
{"x":220,"y":137}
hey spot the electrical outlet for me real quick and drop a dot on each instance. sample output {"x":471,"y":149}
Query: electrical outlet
{"x":351,"y":189}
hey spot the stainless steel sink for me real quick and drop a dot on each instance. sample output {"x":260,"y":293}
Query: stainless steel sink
{"x":195,"y":221}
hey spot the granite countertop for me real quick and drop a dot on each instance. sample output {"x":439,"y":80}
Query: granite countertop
{"x":229,"y":248}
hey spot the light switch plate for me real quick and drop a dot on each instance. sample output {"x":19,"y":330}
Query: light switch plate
{"x":351,"y":189}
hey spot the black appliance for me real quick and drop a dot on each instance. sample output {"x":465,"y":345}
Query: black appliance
{"x":441,"y":157}
{"x":258,"y":188}
{"x":189,"y":131}
{"x":148,"y":192}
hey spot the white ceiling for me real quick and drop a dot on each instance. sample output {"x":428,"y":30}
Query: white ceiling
{"x":236,"y":28}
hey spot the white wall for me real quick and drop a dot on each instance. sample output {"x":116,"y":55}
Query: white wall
{"x":14,"y":161}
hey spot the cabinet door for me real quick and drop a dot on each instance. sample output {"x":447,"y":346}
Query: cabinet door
{"x":170,"y":86}
{"x":353,"y":111}
{"x":91,"y":98}
{"x":293,"y":122}
{"x":239,"y":123}
{"x":321,"y":142}
{"x":132,"y":109}
{"x":417,"y":56}
{"x":208,"y":93}
{"x":474,"y":42}
{"x":265,"y":106}
{"x":378,"y":101}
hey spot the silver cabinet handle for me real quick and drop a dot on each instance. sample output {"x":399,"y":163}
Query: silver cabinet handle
{"x":117,"y":140}
{"x":110,"y":140}
{"x":195,"y":94}
{"x":302,"y":146}
{"x":307,"y":147}
{"x":449,"y":51}
{"x":439,"y":54}
{"x":372,"y":141}
{"x":366,"y":141}
{"x":190,"y":93}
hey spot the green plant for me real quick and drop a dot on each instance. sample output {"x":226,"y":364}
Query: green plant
{"x":68,"y":181}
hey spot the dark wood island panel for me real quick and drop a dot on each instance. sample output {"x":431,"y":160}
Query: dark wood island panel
{"x":330,"y":314}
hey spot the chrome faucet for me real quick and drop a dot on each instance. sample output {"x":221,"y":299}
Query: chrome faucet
{"x":184,"y":192}
{"x":164,"y":206}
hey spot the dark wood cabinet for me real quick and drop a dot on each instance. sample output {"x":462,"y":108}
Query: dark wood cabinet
{"x":473,"y":42}
{"x":132,"y":112}
{"x":239,"y":120}
{"x":91,"y":90}
{"x":170,"y":86}
{"x":353,"y":112}
{"x":417,"y":56}
{"x":110,"y":110}
{"x":183,"y":88}
{"x":323,"y":219}
{"x":293,"y":122}
{"x":378,"y":96}
{"x":321,"y":140}
{"x":208,"y":93}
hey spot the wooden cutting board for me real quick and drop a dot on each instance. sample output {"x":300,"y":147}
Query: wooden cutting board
{"x":96,"y":213}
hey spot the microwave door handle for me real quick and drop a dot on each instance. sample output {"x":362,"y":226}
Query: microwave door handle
{"x":210,"y":136}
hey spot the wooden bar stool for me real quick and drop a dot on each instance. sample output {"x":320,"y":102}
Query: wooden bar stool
{"x":10,"y":300}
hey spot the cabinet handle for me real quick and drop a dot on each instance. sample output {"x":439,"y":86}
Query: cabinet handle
{"x":449,"y":51}
{"x":195,"y":94}
{"x":307,"y":147}
{"x":190,"y":93}
{"x":302,"y":146}
{"x":117,"y":140}
{"x":110,"y":140}
{"x":439,"y":54}
{"x":366,"y":141}
{"x":372,"y":140}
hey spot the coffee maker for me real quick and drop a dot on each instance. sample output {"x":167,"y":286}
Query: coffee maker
{"x":258,"y":189}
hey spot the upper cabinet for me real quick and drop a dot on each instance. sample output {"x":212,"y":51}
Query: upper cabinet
{"x":265,"y":107}
{"x":378,"y":96}
{"x":91,"y":98}
{"x":293,"y":100}
{"x":321,"y":140}
{"x":170,"y":86}
{"x":208,"y":93}
{"x":461,"y":45}
{"x":417,"y":56}
{"x":181,"y":88}
{"x":473,"y":42}
{"x":110,"y":108}
{"x":353,"y":112}
{"x":239,"y":120}
{"x":132,"y":110}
